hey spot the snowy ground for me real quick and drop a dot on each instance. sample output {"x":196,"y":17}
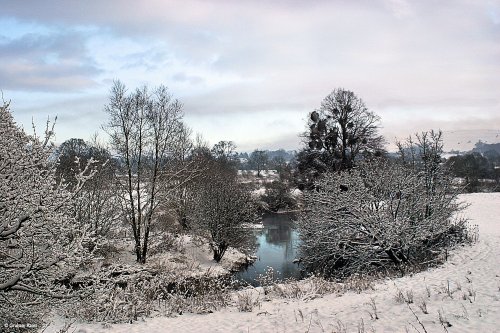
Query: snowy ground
{"x":464,"y":292}
{"x":196,"y":259}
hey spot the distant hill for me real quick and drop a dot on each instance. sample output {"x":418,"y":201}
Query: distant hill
{"x":482,"y":147}
{"x":465,"y":140}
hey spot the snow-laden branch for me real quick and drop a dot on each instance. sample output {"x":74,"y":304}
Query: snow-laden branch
{"x":40,"y":241}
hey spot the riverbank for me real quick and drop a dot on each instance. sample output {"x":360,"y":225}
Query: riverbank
{"x":463,"y":293}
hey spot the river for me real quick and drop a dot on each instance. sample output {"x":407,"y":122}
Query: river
{"x":277,"y":245}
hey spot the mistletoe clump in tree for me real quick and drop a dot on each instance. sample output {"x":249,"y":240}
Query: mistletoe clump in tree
{"x":340,"y":132}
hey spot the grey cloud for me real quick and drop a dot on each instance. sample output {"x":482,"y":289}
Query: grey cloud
{"x":150,"y":59}
{"x":288,"y":55}
{"x":33,"y":44}
{"x":192,"y":79}
{"x":291,"y":141}
{"x":48,"y":78}
{"x":243,"y":98}
{"x":77,"y":117}
{"x":56,"y":62}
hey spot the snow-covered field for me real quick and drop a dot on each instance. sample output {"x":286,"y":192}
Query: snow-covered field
{"x":463,"y":295}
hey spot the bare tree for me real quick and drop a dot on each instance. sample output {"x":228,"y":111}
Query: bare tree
{"x":283,"y":167}
{"x":185,"y":170}
{"x":424,"y":153}
{"x":345,"y":128}
{"x":258,"y":160}
{"x":192,"y":167}
{"x":377,"y":215}
{"x":40,"y":243}
{"x":72,"y":156}
{"x":340,"y":132}
{"x":221,"y":208}
{"x":96,"y":203}
{"x":224,"y":150}
{"x":145,"y":129}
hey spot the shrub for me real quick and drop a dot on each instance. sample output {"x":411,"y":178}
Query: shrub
{"x":246,"y":301}
{"x":278,"y":197}
{"x":125,"y":293}
{"x":40,"y":241}
{"x":380,"y":215}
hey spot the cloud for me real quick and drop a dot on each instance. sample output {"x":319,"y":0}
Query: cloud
{"x":78,"y":116}
{"x":412,"y":62}
{"x":400,"y":8}
{"x":183,"y":77}
{"x":54,"y":62}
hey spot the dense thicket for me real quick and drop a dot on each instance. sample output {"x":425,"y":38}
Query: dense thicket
{"x":40,"y":241}
{"x":382,"y":214}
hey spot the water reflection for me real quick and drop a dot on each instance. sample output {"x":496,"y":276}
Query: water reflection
{"x":276,"y":247}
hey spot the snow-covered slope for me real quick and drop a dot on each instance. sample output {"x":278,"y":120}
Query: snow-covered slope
{"x":464,"y":292}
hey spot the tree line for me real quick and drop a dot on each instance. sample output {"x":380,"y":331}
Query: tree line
{"x":479,"y":168}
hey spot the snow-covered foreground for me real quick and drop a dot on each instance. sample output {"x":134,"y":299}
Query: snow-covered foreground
{"x":464,"y":292}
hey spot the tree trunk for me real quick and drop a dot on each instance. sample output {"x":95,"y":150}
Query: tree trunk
{"x":145,"y":243}
{"x":219,"y":251}
{"x":393,"y":256}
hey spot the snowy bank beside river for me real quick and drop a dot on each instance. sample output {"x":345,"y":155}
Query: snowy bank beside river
{"x":463,"y":295}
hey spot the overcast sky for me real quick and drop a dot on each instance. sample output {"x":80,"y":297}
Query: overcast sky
{"x":250,"y":71}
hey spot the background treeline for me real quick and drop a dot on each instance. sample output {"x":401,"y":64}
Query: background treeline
{"x":479,"y":168}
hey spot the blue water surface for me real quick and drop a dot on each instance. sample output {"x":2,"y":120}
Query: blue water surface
{"x":277,"y":246}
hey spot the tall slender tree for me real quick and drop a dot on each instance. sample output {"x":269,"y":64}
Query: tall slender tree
{"x":258,"y":161}
{"x":146,"y":130}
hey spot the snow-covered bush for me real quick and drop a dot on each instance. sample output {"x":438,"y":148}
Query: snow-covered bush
{"x":247,"y":300}
{"x":40,"y":243}
{"x":309,"y":288}
{"x":203,"y":294}
{"x":126,"y":293}
{"x":268,"y":278}
{"x":121,"y":294}
{"x":167,"y":241}
{"x":278,"y":196}
{"x":379,"y":215}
